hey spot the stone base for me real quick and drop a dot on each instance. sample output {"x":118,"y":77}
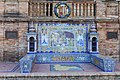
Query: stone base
{"x":61,"y":76}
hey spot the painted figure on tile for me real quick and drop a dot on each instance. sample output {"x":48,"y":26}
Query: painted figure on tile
{"x":44,"y":37}
{"x":80,"y":39}
{"x":62,"y":38}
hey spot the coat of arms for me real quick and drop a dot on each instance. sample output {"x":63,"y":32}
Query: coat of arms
{"x":62,"y":10}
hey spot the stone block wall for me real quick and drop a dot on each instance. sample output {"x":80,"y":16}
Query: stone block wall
{"x":23,"y":7}
{"x":14,"y":6}
{"x":107,"y":10}
{"x":1,"y":7}
{"x":100,"y":9}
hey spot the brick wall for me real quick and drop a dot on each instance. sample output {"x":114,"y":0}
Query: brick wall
{"x":107,"y":13}
{"x":12,"y":49}
{"x":1,"y":40}
{"x":108,"y":47}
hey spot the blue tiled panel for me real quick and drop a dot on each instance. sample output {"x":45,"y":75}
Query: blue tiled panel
{"x":109,"y":65}
{"x":62,"y":37}
{"x":59,"y":57}
{"x":26,"y":63}
{"x":105,"y":63}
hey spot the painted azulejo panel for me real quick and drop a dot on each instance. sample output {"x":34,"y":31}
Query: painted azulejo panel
{"x":58,"y":57}
{"x":62,"y":38}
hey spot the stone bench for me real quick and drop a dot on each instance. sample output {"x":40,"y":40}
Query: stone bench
{"x":26,"y":63}
{"x":107,"y":64}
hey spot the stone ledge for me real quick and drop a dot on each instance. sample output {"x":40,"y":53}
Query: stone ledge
{"x":23,"y":0}
{"x":14,"y":0}
{"x":57,"y":74}
{"x":14,"y":19}
{"x":28,"y":18}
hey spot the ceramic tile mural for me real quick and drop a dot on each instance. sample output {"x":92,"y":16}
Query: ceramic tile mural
{"x":65,"y":67}
{"x":62,"y":38}
{"x":57,"y":57}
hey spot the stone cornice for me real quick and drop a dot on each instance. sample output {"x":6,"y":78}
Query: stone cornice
{"x":21,"y":18}
{"x":26,"y":19}
{"x":107,"y":20}
{"x":62,"y":74}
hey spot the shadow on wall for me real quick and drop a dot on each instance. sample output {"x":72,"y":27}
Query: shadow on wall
{"x":11,"y":56}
